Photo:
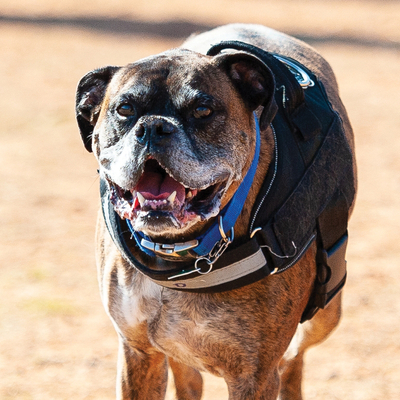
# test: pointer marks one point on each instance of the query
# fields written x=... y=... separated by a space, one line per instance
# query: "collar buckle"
x=176 y=250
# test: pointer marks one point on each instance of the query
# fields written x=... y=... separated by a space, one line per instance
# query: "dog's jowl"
x=227 y=178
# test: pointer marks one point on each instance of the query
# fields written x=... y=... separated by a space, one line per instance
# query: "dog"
x=177 y=136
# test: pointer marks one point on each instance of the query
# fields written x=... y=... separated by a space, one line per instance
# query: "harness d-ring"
x=197 y=269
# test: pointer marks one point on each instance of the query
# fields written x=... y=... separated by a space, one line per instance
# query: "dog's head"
x=174 y=134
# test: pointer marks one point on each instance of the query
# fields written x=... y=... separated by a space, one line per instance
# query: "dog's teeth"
x=172 y=197
x=189 y=194
x=141 y=199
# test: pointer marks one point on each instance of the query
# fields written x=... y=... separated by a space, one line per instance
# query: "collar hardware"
x=220 y=246
x=196 y=269
x=215 y=253
x=171 y=250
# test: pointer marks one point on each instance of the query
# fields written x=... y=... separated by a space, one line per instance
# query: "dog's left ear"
x=89 y=97
x=254 y=81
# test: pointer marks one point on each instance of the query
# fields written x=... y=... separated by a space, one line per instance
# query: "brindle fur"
x=250 y=336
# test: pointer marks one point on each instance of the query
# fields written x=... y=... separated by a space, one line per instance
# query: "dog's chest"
x=186 y=327
x=133 y=301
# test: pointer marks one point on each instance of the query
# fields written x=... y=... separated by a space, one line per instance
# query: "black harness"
x=305 y=197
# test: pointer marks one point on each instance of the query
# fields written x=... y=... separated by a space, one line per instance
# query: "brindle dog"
x=190 y=116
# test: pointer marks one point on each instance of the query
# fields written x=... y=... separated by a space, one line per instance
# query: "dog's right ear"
x=254 y=81
x=89 y=97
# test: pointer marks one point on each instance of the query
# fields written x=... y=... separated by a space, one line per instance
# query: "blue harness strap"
x=138 y=236
x=231 y=212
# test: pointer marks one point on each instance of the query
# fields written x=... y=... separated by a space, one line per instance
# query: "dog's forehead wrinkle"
x=188 y=95
x=140 y=91
x=170 y=77
x=136 y=89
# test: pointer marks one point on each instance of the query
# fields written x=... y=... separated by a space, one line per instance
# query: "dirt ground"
x=55 y=339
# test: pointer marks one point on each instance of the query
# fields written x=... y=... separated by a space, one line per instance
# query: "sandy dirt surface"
x=55 y=339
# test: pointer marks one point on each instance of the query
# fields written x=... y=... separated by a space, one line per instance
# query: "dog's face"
x=174 y=134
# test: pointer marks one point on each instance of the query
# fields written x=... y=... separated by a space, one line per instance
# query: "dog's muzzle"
x=159 y=195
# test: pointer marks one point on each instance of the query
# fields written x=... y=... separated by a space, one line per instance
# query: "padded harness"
x=305 y=198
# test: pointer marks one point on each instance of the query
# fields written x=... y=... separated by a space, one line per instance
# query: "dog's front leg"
x=141 y=375
x=307 y=334
x=188 y=381
x=262 y=386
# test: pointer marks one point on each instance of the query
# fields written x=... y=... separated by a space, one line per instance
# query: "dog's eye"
x=202 y=112
x=126 y=110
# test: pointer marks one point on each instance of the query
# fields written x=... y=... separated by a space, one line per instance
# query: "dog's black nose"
x=153 y=127
x=140 y=131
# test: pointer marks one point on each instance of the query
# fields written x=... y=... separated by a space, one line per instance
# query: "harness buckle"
x=331 y=274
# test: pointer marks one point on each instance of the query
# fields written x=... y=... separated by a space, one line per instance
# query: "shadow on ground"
x=175 y=29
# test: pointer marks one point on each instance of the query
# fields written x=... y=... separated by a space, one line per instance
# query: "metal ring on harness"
x=302 y=77
x=197 y=269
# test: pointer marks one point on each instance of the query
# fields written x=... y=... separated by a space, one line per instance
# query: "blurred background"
x=55 y=339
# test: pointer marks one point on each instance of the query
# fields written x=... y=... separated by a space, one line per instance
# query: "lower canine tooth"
x=189 y=194
x=172 y=197
x=141 y=199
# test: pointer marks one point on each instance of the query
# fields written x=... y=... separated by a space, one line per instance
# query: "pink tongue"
x=153 y=187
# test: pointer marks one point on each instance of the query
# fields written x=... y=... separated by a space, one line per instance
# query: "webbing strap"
x=332 y=240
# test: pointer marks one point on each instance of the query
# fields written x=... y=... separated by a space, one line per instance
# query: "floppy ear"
x=89 y=96
x=254 y=81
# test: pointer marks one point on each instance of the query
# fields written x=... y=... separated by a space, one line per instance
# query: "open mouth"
x=159 y=199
